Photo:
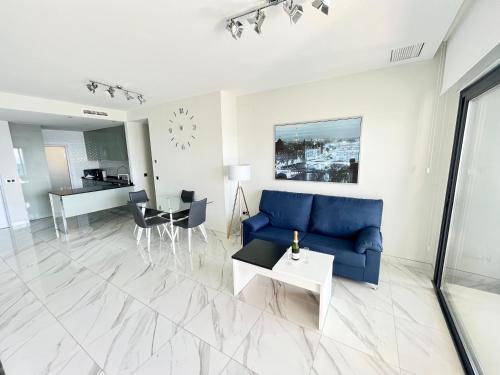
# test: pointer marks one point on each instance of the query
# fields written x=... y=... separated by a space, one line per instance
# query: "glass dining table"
x=175 y=209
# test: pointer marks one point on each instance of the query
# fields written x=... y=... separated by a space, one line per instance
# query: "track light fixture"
x=294 y=11
x=112 y=89
x=257 y=21
x=235 y=28
x=323 y=5
x=92 y=86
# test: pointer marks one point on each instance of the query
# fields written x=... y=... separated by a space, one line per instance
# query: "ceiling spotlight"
x=92 y=86
x=128 y=96
x=141 y=99
x=235 y=28
x=323 y=5
x=294 y=11
x=258 y=20
x=111 y=91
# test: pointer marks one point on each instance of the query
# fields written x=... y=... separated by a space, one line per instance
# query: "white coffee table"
x=314 y=274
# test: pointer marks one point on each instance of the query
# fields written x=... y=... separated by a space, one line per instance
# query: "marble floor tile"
x=183 y=300
x=418 y=305
x=276 y=346
x=29 y=265
x=224 y=323
x=93 y=302
x=286 y=301
x=101 y=309
x=20 y=320
x=369 y=331
x=362 y=294
x=127 y=346
x=46 y=353
x=185 y=354
x=236 y=368
x=410 y=273
x=81 y=364
x=61 y=291
x=334 y=358
x=150 y=284
x=423 y=350
x=16 y=241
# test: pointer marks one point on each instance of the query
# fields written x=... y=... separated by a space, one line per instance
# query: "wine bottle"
x=295 y=246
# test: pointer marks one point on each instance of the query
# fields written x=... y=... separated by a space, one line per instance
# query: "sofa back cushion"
x=344 y=217
x=287 y=210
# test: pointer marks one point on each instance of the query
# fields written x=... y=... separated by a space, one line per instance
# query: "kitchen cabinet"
x=106 y=144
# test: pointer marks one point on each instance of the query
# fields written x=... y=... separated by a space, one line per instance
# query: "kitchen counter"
x=67 y=203
x=88 y=189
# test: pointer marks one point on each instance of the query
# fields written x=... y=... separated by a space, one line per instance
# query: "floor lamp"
x=239 y=173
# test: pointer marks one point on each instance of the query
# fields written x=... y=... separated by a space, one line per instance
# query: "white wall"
x=34 y=104
x=199 y=167
x=139 y=156
x=13 y=191
x=475 y=35
x=75 y=151
x=397 y=105
x=229 y=147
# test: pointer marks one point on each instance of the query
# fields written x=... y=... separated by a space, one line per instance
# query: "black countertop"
x=89 y=189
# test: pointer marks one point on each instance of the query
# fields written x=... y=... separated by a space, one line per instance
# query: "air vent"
x=405 y=53
x=94 y=113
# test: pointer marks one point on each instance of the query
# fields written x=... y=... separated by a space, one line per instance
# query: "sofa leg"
x=373 y=286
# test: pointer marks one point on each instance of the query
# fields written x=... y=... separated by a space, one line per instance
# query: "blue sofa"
x=348 y=228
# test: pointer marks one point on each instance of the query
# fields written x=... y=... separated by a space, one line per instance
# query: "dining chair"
x=146 y=223
x=142 y=197
x=187 y=196
x=196 y=218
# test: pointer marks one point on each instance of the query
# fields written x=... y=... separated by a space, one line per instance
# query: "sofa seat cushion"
x=287 y=210
x=276 y=235
x=344 y=217
x=343 y=250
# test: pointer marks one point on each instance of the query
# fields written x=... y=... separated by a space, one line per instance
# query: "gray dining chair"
x=196 y=218
x=142 y=197
x=146 y=223
x=187 y=196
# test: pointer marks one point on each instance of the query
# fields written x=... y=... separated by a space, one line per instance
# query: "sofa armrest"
x=256 y=222
x=368 y=238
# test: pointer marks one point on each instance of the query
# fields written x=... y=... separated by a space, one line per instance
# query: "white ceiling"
x=57 y=122
x=174 y=49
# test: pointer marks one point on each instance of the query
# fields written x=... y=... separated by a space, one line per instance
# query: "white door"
x=4 y=222
x=58 y=167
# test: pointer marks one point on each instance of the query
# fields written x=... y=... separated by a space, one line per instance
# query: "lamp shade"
x=239 y=172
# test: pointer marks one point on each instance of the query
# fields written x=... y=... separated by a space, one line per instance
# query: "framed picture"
x=324 y=151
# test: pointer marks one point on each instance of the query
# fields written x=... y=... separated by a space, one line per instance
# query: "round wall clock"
x=182 y=129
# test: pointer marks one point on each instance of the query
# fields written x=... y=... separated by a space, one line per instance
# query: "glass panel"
x=471 y=275
x=32 y=168
x=58 y=167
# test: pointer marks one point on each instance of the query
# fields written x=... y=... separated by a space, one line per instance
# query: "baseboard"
x=20 y=224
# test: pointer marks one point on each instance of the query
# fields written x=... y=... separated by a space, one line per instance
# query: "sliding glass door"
x=468 y=265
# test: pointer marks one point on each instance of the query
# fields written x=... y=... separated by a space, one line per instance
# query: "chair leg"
x=204 y=232
x=189 y=240
x=135 y=229
x=148 y=234
x=139 y=234
x=159 y=232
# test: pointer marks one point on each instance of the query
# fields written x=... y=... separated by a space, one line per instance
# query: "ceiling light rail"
x=92 y=86
x=294 y=12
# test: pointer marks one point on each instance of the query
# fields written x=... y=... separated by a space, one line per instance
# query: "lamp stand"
x=237 y=197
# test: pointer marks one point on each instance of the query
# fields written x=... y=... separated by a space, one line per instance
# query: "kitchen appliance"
x=93 y=174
